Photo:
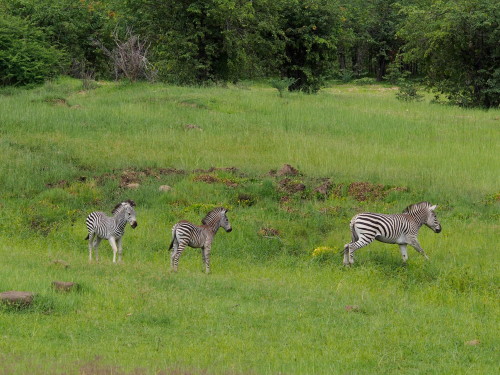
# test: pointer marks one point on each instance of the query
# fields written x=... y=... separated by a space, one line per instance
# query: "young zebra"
x=401 y=229
x=185 y=234
x=101 y=226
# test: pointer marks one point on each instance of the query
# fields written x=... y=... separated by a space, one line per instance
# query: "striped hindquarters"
x=188 y=233
x=100 y=224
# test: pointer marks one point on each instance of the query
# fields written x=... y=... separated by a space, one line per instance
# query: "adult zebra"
x=101 y=226
x=401 y=229
x=185 y=234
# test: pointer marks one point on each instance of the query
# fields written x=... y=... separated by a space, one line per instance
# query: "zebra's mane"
x=413 y=207
x=211 y=214
x=121 y=204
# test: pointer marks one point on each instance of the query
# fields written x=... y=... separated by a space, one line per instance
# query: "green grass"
x=268 y=307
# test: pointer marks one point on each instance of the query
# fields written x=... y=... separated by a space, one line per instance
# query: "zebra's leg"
x=175 y=246
x=346 y=255
x=205 y=253
x=404 y=253
x=112 y=242
x=120 y=249
x=414 y=242
x=97 y=241
x=176 y=255
x=354 y=238
x=91 y=241
x=353 y=246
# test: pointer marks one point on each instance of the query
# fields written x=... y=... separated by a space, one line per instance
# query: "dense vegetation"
x=278 y=299
x=452 y=45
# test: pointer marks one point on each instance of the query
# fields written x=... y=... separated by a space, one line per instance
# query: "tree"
x=26 y=57
x=311 y=30
x=70 y=26
x=457 y=46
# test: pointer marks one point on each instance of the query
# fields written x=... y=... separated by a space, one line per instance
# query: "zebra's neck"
x=213 y=225
x=420 y=217
x=119 y=218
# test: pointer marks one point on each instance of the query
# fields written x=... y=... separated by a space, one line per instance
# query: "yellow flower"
x=322 y=250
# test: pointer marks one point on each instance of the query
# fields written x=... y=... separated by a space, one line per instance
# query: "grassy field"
x=270 y=306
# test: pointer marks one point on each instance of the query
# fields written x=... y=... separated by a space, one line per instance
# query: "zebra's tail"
x=173 y=237
x=86 y=238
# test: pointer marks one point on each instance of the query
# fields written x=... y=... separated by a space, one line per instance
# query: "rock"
x=63 y=286
x=473 y=342
x=61 y=262
x=352 y=308
x=18 y=299
x=133 y=185
x=192 y=126
x=165 y=188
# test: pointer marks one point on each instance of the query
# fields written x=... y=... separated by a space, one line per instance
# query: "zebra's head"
x=218 y=218
x=127 y=209
x=432 y=221
x=425 y=213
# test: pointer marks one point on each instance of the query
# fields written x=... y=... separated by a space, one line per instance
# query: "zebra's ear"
x=432 y=208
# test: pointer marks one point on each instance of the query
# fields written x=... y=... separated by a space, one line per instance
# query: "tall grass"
x=269 y=306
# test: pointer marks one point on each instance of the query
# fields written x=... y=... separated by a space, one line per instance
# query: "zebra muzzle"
x=134 y=224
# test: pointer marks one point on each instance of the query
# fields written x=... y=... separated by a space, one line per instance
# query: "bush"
x=25 y=55
x=282 y=84
x=71 y=26
x=408 y=92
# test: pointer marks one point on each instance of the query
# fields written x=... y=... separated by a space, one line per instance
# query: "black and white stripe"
x=185 y=234
x=401 y=229
x=101 y=226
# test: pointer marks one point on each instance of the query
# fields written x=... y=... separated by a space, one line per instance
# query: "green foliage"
x=368 y=42
x=456 y=43
x=408 y=92
x=311 y=30
x=26 y=57
x=196 y=42
x=282 y=84
x=70 y=26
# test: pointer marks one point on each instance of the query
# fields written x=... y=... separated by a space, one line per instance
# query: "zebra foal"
x=101 y=226
x=401 y=229
x=185 y=234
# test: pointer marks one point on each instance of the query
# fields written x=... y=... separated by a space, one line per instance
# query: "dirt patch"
x=192 y=127
x=207 y=178
x=268 y=232
x=290 y=186
x=217 y=169
x=57 y=101
x=61 y=263
x=324 y=188
x=17 y=299
x=58 y=184
x=211 y=179
x=286 y=170
x=64 y=286
x=136 y=176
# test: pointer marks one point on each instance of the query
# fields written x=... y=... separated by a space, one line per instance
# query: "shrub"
x=25 y=55
x=282 y=84
x=408 y=92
